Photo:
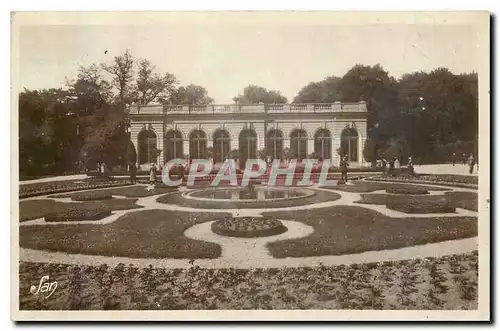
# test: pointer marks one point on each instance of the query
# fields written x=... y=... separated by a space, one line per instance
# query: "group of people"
x=393 y=166
x=132 y=170
x=471 y=161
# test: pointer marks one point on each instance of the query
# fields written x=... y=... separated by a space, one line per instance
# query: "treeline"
x=428 y=115
x=69 y=128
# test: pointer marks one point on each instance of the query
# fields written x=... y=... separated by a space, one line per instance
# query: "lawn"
x=348 y=229
x=319 y=196
x=33 y=209
x=146 y=234
x=448 y=282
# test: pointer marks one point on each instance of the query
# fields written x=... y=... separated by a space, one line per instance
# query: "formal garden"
x=371 y=243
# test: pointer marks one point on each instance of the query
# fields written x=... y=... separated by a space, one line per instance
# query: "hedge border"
x=429 y=182
x=65 y=190
x=420 y=209
x=95 y=216
x=92 y=197
x=406 y=191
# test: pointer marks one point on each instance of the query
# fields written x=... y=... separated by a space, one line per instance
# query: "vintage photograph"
x=240 y=163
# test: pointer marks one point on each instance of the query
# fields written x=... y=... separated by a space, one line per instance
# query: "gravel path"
x=445 y=169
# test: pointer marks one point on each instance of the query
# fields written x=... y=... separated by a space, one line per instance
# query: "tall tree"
x=46 y=132
x=254 y=94
x=437 y=109
x=325 y=91
x=90 y=89
x=122 y=71
x=373 y=85
x=191 y=95
x=151 y=86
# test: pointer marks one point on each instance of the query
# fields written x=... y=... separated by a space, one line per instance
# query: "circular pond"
x=257 y=193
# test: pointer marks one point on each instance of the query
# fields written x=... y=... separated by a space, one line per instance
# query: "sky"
x=224 y=58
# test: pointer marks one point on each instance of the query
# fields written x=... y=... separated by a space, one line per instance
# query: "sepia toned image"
x=250 y=166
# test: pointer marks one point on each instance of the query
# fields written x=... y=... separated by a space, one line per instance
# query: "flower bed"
x=448 y=282
x=420 y=207
x=129 y=191
x=365 y=186
x=77 y=214
x=92 y=195
x=407 y=190
x=31 y=190
x=459 y=179
x=248 y=227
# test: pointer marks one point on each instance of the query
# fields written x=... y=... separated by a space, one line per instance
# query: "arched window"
x=298 y=144
x=274 y=144
x=147 y=146
x=349 y=143
x=221 y=145
x=173 y=145
x=248 y=146
x=323 y=144
x=197 y=145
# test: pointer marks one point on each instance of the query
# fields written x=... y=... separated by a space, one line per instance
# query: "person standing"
x=343 y=169
x=391 y=167
x=133 y=172
x=397 y=164
x=152 y=174
x=397 y=167
x=472 y=163
x=411 y=170
x=453 y=159
x=182 y=169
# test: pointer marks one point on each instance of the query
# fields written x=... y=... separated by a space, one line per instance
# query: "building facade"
x=164 y=132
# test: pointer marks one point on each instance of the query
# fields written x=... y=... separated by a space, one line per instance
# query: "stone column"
x=185 y=145
x=310 y=146
x=160 y=138
x=361 y=143
x=335 y=147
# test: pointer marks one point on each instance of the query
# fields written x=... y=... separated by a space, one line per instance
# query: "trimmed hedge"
x=76 y=214
x=447 y=180
x=32 y=190
x=406 y=190
x=91 y=196
x=420 y=207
